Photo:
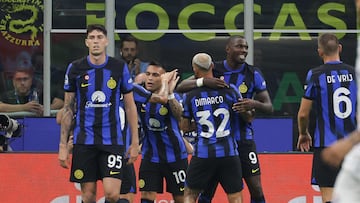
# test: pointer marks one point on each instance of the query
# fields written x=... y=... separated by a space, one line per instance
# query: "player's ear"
x=86 y=43
x=340 y=48
x=320 y=52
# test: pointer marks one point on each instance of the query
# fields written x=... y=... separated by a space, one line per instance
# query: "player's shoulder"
x=80 y=61
x=115 y=61
x=252 y=68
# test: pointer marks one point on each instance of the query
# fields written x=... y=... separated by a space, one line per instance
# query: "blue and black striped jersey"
x=98 y=90
x=249 y=81
x=162 y=142
x=332 y=87
x=140 y=95
x=212 y=112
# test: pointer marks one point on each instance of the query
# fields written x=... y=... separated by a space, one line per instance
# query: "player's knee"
x=112 y=197
x=204 y=199
x=148 y=195
x=235 y=197
x=88 y=197
x=178 y=198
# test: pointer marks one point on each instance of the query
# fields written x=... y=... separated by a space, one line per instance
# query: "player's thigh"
x=249 y=158
x=128 y=184
x=111 y=161
x=84 y=167
x=323 y=174
x=229 y=174
x=200 y=173
x=175 y=175
x=150 y=177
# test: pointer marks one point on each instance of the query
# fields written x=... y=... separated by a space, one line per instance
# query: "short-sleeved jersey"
x=162 y=142
x=332 y=87
x=249 y=81
x=98 y=90
x=214 y=118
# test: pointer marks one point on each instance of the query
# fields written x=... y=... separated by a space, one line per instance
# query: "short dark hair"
x=28 y=71
x=156 y=63
x=128 y=38
x=329 y=43
x=234 y=37
x=98 y=27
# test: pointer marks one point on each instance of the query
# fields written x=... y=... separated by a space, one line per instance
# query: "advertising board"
x=37 y=177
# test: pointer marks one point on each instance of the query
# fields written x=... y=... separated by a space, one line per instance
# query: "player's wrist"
x=199 y=82
x=171 y=96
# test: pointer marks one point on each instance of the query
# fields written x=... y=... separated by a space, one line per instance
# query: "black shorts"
x=249 y=158
x=205 y=171
x=94 y=162
x=323 y=174
x=151 y=176
x=128 y=184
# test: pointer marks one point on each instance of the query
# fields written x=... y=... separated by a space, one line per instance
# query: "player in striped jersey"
x=95 y=83
x=141 y=95
x=163 y=149
x=215 y=150
x=252 y=86
x=346 y=188
x=331 y=89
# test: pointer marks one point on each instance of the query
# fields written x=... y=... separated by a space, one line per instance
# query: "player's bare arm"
x=304 y=140
x=131 y=116
x=191 y=83
x=174 y=104
x=66 y=115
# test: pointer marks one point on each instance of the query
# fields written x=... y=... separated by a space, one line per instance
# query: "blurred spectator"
x=24 y=97
x=57 y=79
x=129 y=52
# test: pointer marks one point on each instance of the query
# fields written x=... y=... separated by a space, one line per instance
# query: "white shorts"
x=347 y=185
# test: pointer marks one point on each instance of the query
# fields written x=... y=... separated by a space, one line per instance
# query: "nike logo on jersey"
x=182 y=189
x=255 y=170
x=114 y=172
x=85 y=84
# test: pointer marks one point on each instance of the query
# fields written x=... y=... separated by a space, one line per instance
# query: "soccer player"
x=141 y=95
x=347 y=181
x=163 y=149
x=331 y=89
x=215 y=150
x=252 y=86
x=95 y=83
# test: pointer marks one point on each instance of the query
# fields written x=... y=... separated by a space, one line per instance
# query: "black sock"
x=123 y=201
x=204 y=199
x=260 y=200
x=146 y=201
